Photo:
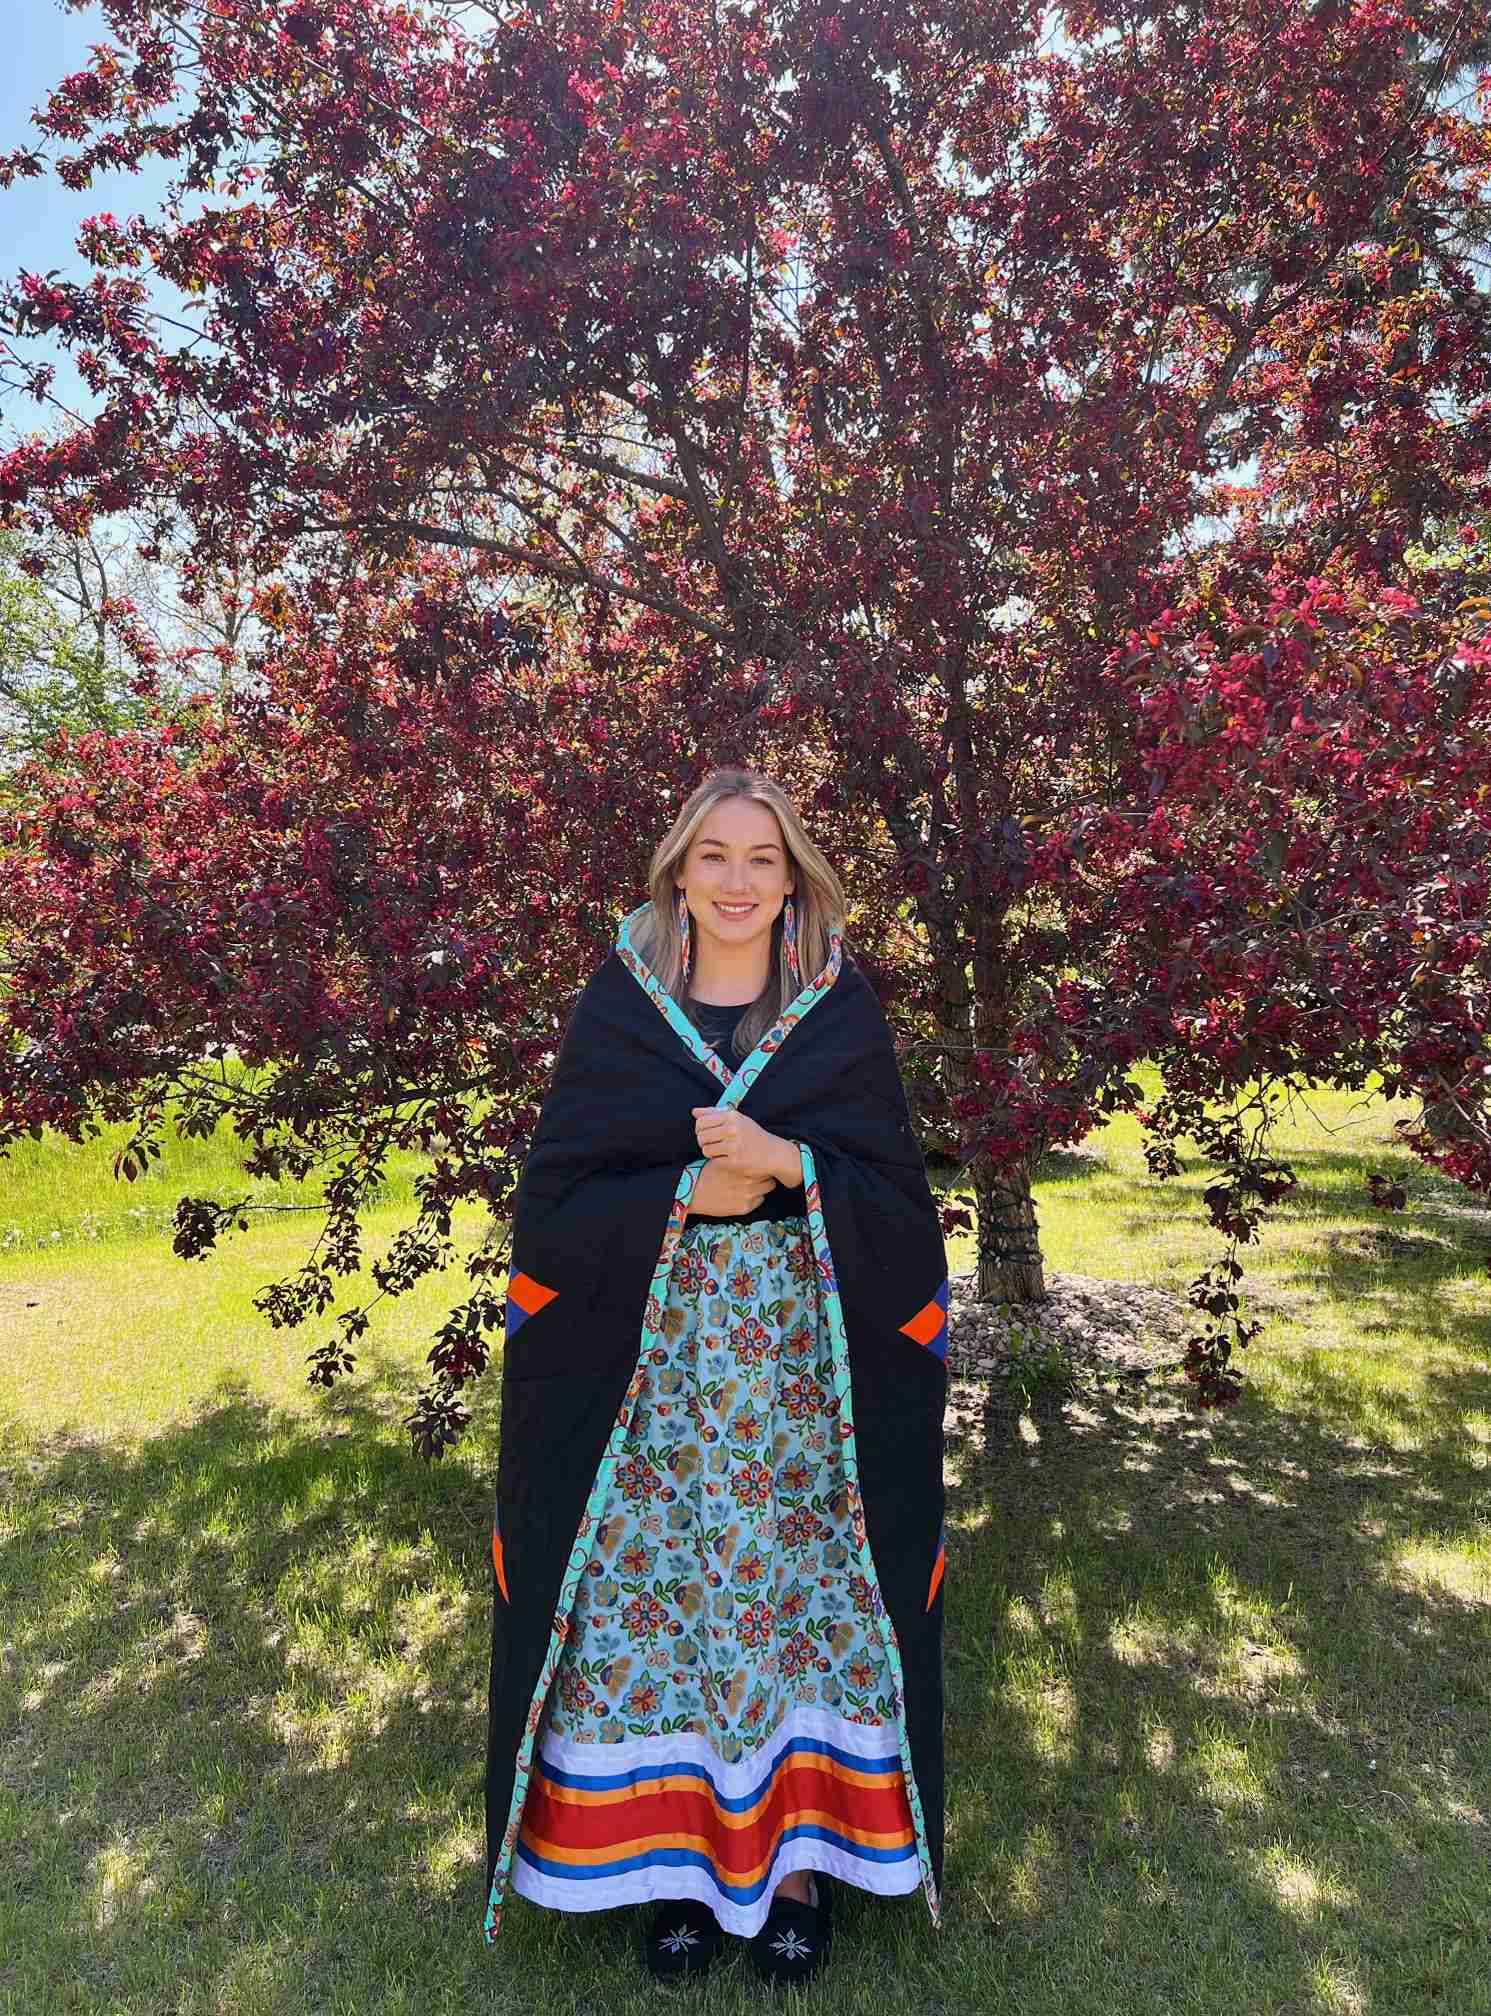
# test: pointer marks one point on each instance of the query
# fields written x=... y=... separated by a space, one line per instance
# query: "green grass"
x=1219 y=1690
x=55 y=1193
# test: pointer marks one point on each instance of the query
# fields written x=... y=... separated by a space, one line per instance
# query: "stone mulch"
x=1091 y=1342
x=1098 y=1329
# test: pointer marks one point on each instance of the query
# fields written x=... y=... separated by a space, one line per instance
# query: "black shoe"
x=793 y=1943
x=682 y=1937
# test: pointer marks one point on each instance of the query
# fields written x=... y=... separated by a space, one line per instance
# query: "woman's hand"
x=732 y=1138
x=722 y=1192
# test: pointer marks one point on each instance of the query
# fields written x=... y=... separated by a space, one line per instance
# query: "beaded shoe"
x=682 y=1937
x=793 y=1943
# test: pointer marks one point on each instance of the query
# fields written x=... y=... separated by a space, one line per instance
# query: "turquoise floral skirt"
x=722 y=1710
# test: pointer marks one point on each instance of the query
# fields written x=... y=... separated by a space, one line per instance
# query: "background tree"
x=198 y=619
x=844 y=389
x=53 y=672
x=84 y=618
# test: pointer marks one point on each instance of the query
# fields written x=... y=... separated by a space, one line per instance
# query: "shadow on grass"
x=243 y=1770
x=1206 y=1723
x=253 y=1652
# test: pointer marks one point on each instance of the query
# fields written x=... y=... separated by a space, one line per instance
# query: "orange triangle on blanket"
x=530 y=1295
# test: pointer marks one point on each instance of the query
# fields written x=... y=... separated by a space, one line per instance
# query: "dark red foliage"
x=868 y=394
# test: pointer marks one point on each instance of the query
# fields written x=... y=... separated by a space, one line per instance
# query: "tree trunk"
x=1010 y=1268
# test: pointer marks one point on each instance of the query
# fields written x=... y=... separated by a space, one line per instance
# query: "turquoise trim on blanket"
x=600 y=1492
x=736 y=1084
x=828 y=1286
x=751 y=1067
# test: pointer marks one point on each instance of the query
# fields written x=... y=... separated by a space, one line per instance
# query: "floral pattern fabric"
x=720 y=1591
x=723 y=1709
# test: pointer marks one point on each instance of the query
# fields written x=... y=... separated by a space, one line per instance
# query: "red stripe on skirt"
x=564 y=1818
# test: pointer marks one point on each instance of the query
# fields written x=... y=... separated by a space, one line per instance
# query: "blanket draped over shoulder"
x=599 y=1208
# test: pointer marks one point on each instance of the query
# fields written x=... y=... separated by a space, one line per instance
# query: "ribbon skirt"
x=722 y=1712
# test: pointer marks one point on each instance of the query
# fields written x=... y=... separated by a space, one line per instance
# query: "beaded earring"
x=789 y=942
x=684 y=933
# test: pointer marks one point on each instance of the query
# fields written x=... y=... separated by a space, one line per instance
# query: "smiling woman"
x=716 y=1669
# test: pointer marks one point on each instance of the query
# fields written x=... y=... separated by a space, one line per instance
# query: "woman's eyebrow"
x=760 y=846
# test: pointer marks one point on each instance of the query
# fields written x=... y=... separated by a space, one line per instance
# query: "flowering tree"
x=1317 y=850
x=850 y=390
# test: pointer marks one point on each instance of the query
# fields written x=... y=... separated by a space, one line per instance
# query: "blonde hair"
x=817 y=895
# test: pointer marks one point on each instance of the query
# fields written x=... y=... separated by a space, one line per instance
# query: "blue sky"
x=39 y=220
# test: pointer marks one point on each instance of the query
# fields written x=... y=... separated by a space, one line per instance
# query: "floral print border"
x=829 y=1289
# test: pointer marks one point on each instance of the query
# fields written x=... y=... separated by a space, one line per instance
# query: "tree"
x=50 y=679
x=189 y=622
x=348 y=882
x=849 y=384
x=1317 y=845
x=83 y=618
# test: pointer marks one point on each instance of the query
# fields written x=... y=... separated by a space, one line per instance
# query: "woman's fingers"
x=727 y=1132
x=738 y=1143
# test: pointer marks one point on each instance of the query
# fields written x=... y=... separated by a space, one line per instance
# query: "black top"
x=716 y=1024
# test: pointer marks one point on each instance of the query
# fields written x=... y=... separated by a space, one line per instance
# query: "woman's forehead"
x=740 y=823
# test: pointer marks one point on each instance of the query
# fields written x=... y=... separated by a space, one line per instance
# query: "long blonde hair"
x=817 y=895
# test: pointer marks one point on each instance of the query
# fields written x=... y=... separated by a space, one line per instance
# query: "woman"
x=717 y=1551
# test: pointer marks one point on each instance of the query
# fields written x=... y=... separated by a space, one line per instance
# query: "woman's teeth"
x=735 y=909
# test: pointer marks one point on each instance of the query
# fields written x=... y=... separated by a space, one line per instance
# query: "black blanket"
x=599 y=1206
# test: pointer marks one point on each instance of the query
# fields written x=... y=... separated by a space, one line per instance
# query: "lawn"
x=1219 y=1690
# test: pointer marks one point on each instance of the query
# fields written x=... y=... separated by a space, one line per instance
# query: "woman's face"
x=736 y=874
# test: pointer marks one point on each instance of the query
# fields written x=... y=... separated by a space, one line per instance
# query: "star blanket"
x=600 y=1206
